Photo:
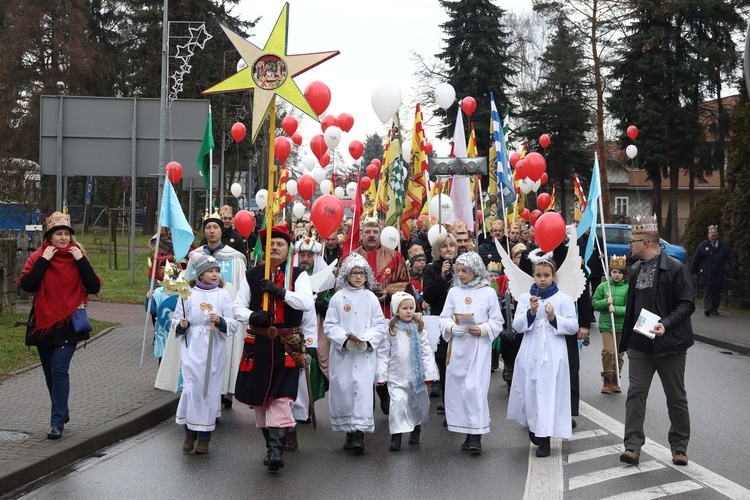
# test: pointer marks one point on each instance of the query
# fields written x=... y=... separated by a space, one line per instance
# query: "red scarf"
x=60 y=293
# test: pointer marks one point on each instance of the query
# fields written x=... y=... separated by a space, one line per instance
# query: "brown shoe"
x=679 y=458
x=291 y=441
x=607 y=385
x=202 y=447
x=630 y=457
x=187 y=445
x=616 y=388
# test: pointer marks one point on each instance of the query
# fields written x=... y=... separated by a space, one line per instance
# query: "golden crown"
x=415 y=251
x=58 y=219
x=645 y=224
x=494 y=267
x=618 y=262
x=214 y=216
x=459 y=227
x=714 y=228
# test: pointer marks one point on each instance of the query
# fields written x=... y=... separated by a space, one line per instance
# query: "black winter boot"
x=276 y=440
x=414 y=436
x=358 y=442
x=268 y=445
x=385 y=398
x=348 y=440
x=395 y=442
x=544 y=448
x=466 y=443
x=475 y=446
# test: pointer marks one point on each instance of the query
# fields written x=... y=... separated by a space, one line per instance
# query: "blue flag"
x=588 y=219
x=171 y=216
x=504 y=175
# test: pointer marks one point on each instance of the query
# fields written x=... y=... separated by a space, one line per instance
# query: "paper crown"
x=58 y=220
x=226 y=210
x=713 y=228
x=645 y=224
x=214 y=217
x=618 y=262
x=416 y=252
x=307 y=244
x=495 y=267
x=370 y=221
x=459 y=227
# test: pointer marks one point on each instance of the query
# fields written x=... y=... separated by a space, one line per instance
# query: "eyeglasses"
x=636 y=241
x=358 y=273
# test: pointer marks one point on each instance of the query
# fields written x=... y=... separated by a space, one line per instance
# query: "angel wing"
x=319 y=280
x=570 y=277
x=518 y=281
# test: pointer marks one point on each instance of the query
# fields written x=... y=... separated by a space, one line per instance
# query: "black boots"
x=414 y=436
x=533 y=438
x=472 y=444
x=385 y=398
x=292 y=444
x=348 y=440
x=268 y=445
x=358 y=442
x=544 y=448
x=395 y=442
x=276 y=441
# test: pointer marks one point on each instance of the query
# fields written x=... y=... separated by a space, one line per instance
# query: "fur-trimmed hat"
x=58 y=220
x=202 y=263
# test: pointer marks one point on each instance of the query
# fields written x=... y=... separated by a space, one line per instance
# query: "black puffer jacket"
x=675 y=303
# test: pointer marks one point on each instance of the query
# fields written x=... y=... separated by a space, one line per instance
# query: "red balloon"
x=328 y=121
x=543 y=201
x=632 y=132
x=319 y=96
x=376 y=162
x=289 y=197
x=372 y=170
x=297 y=138
x=238 y=132
x=318 y=145
x=356 y=148
x=544 y=178
x=534 y=216
x=244 y=222
x=514 y=159
x=480 y=215
x=428 y=148
x=469 y=105
x=346 y=121
x=174 y=172
x=307 y=203
x=325 y=160
x=306 y=186
x=326 y=214
x=544 y=141
x=534 y=165
x=281 y=148
x=365 y=183
x=549 y=231
x=525 y=214
x=521 y=169
x=289 y=124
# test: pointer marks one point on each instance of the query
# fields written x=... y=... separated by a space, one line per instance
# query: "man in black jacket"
x=709 y=264
x=662 y=285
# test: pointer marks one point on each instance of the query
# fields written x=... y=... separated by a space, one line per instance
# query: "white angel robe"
x=301 y=405
x=468 y=367
x=352 y=373
x=396 y=367
x=193 y=409
x=540 y=392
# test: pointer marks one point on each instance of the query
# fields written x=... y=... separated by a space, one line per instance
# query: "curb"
x=745 y=351
x=69 y=450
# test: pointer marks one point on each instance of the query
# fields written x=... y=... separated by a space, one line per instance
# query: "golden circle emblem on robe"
x=388 y=271
x=347 y=308
x=467 y=300
x=309 y=341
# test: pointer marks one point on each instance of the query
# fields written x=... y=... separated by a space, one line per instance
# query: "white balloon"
x=291 y=187
x=536 y=186
x=631 y=151
x=386 y=99
x=332 y=137
x=441 y=207
x=236 y=190
x=298 y=209
x=434 y=231
x=309 y=161
x=261 y=198
x=339 y=192
x=526 y=185
x=445 y=95
x=389 y=237
x=318 y=174
x=351 y=190
x=325 y=186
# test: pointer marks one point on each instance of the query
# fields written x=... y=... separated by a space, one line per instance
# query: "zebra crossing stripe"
x=600 y=476
x=594 y=453
x=661 y=491
x=588 y=434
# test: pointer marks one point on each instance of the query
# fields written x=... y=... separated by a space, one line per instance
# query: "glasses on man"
x=358 y=273
x=637 y=241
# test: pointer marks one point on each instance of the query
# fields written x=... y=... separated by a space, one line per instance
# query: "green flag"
x=257 y=255
x=204 y=157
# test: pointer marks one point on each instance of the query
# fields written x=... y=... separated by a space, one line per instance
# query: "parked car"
x=618 y=242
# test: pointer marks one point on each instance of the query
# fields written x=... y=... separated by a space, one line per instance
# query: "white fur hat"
x=399 y=297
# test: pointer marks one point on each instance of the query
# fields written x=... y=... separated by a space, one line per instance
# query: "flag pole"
x=209 y=201
x=153 y=276
x=269 y=213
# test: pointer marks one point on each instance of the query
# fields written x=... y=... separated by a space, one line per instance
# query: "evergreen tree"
x=477 y=56
x=559 y=107
x=736 y=212
x=374 y=148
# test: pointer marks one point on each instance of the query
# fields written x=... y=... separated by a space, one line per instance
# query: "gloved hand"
x=260 y=318
x=321 y=307
x=458 y=331
x=269 y=286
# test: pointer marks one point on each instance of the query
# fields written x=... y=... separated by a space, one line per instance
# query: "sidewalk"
x=113 y=398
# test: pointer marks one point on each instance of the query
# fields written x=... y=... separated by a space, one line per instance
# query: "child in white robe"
x=540 y=391
x=204 y=320
x=355 y=325
x=406 y=363
x=474 y=320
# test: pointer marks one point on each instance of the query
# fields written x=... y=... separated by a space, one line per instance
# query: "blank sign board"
x=97 y=135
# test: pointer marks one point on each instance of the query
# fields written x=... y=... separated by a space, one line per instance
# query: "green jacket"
x=619 y=300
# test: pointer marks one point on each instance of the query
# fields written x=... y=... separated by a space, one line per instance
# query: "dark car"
x=618 y=242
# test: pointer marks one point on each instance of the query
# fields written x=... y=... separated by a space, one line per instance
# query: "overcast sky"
x=375 y=39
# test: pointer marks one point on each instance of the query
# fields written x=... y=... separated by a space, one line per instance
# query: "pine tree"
x=478 y=59
x=560 y=109
x=374 y=148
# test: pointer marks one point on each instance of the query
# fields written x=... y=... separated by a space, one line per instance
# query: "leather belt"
x=273 y=332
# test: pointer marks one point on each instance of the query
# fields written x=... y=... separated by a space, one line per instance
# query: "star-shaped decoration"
x=184 y=52
x=270 y=71
x=199 y=36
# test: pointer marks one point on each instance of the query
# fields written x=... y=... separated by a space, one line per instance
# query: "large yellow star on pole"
x=270 y=71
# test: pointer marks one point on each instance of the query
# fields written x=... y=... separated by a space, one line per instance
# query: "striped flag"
x=552 y=199
x=279 y=198
x=417 y=183
x=504 y=175
x=579 y=199
x=393 y=192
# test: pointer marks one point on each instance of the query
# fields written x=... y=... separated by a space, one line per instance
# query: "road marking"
x=588 y=434
x=600 y=476
x=694 y=471
x=664 y=490
x=595 y=453
x=544 y=477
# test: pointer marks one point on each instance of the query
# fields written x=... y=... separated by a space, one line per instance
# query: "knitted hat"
x=214 y=217
x=416 y=252
x=58 y=220
x=396 y=300
x=280 y=231
x=202 y=263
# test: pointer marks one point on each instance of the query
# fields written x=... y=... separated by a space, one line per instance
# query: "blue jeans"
x=55 y=363
x=201 y=435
